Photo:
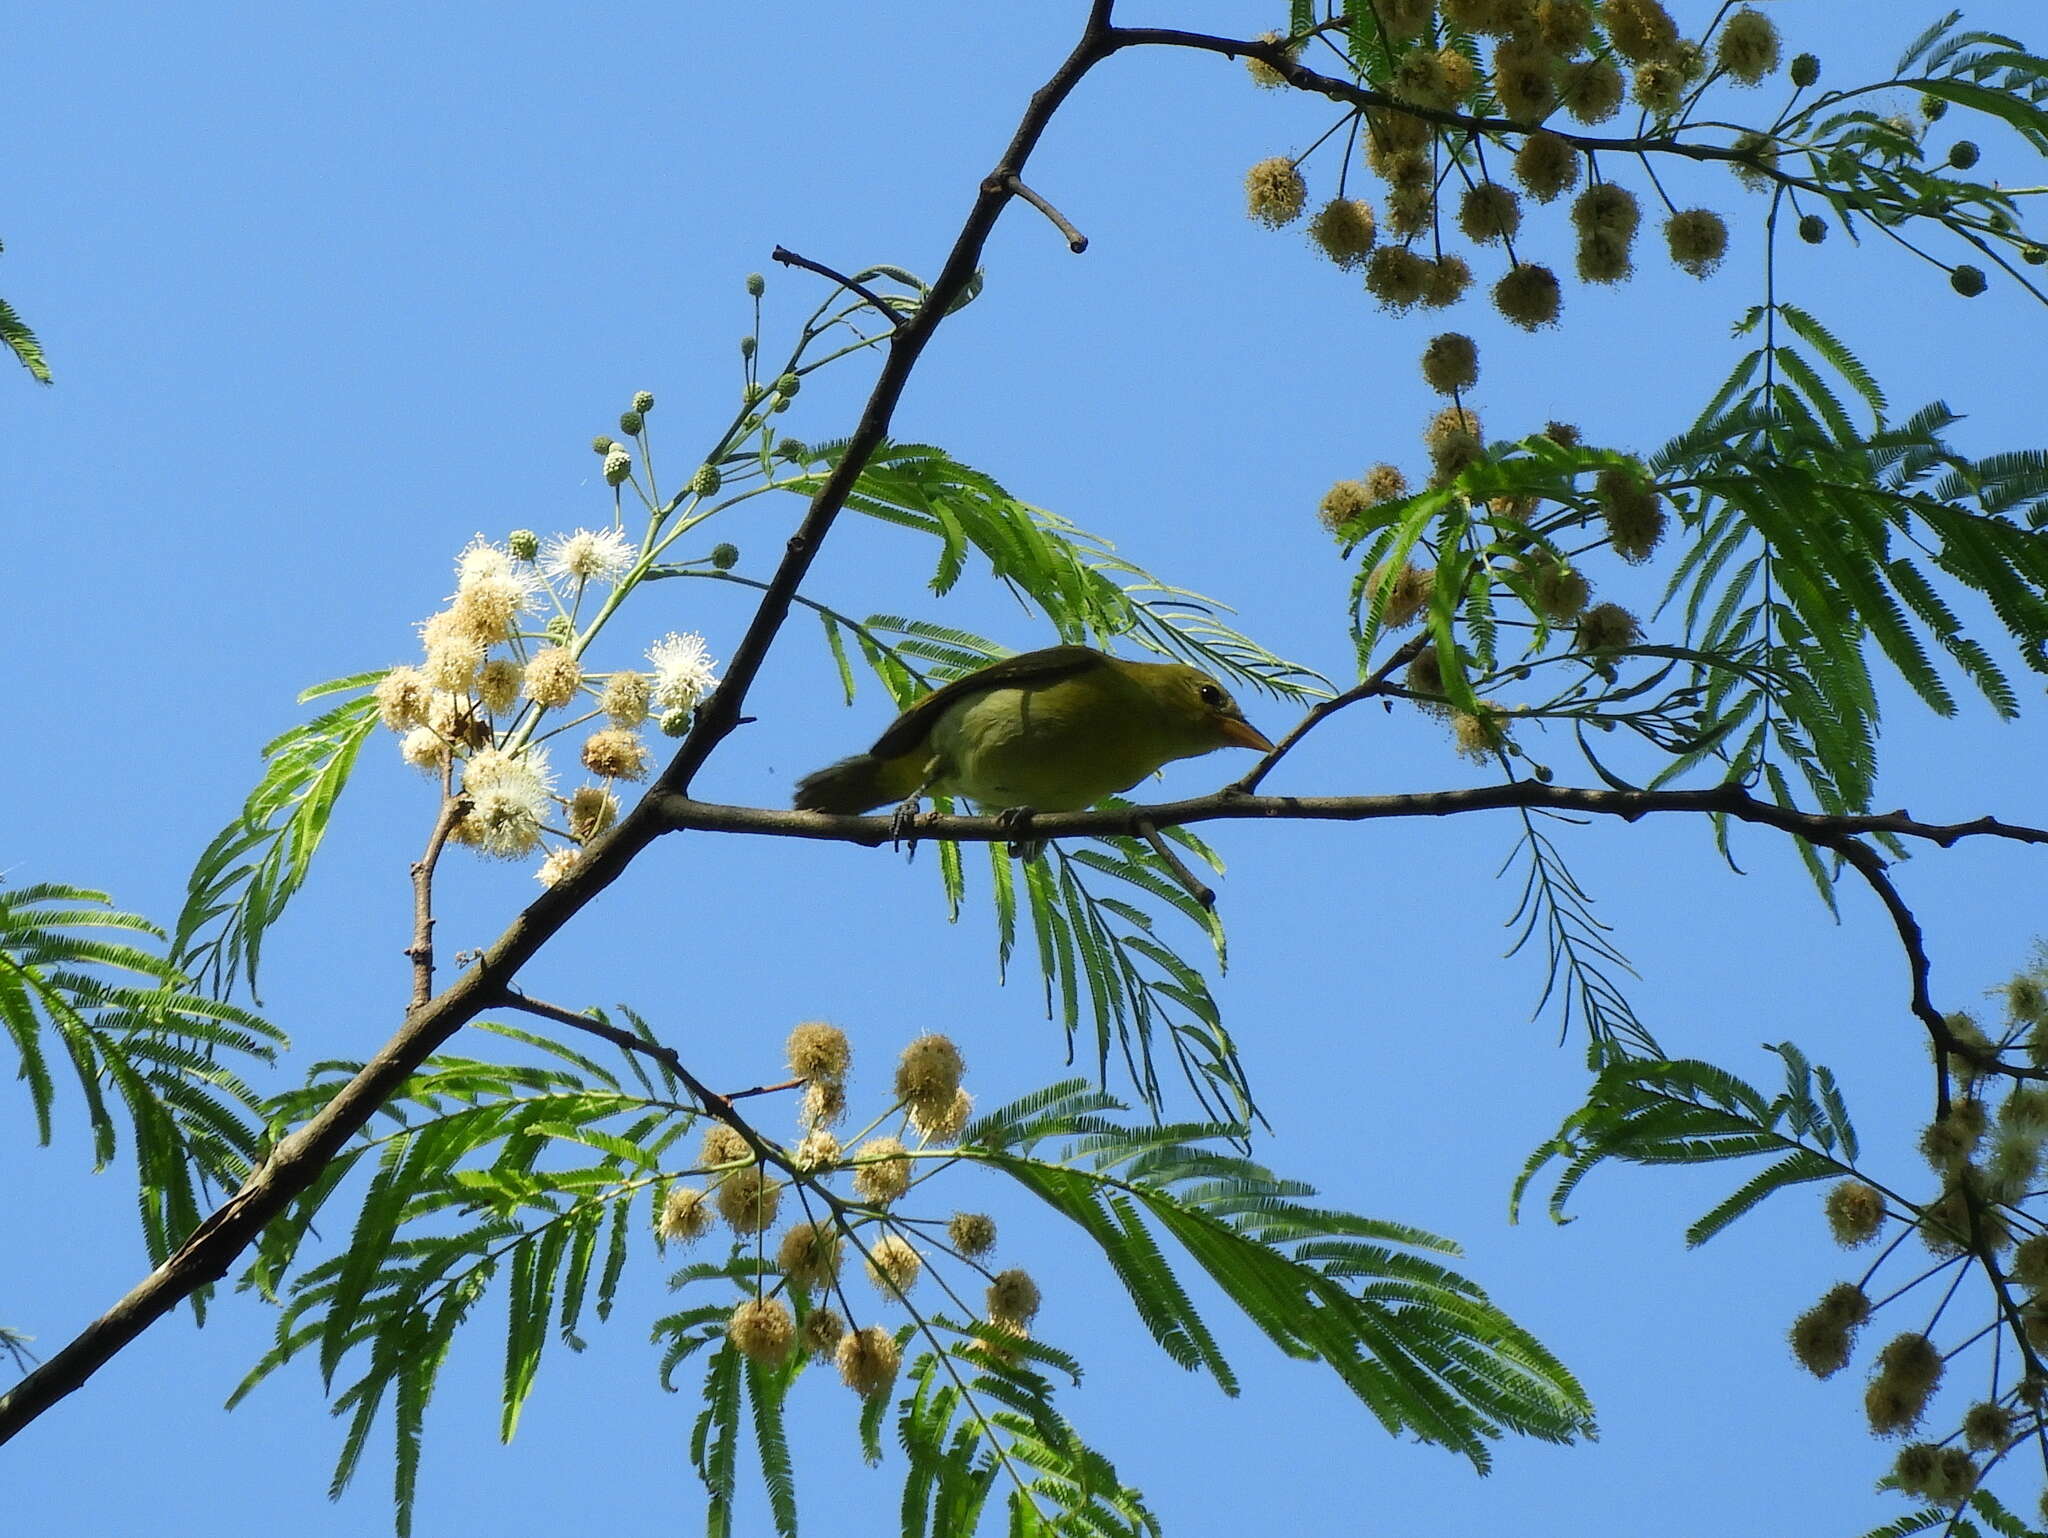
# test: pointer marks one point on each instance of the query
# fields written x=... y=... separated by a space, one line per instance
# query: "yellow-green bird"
x=1052 y=731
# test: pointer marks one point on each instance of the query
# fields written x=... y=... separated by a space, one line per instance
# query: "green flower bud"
x=630 y=423
x=1813 y=229
x=747 y=346
x=788 y=385
x=2034 y=256
x=560 y=631
x=756 y=284
x=706 y=481
x=781 y=404
x=523 y=543
x=792 y=449
x=754 y=393
x=618 y=464
x=1933 y=108
x=1962 y=154
x=724 y=557
x=1968 y=281
x=643 y=401
x=1805 y=69
x=674 y=722
x=602 y=445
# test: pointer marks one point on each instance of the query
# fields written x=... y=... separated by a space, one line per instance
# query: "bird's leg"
x=903 y=822
x=1014 y=820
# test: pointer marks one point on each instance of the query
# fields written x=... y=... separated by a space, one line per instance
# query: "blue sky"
x=327 y=290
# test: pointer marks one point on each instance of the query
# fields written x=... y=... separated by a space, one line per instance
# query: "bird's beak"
x=1240 y=733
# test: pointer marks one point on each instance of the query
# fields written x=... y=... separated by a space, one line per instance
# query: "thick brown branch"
x=1076 y=241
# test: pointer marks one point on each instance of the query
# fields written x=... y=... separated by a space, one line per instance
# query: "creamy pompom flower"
x=762 y=1330
x=557 y=865
x=588 y=555
x=943 y=1123
x=479 y=561
x=510 y=796
x=402 y=698
x=683 y=670
x=686 y=1214
x=893 y=1266
x=626 y=697
x=867 y=1360
x=881 y=1170
x=423 y=748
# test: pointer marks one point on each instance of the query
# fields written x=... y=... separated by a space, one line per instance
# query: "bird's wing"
x=1042 y=666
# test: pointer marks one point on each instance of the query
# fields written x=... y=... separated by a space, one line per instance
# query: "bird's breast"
x=1056 y=748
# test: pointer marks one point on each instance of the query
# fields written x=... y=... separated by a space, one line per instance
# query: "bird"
x=1053 y=730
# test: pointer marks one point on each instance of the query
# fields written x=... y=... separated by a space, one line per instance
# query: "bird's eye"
x=1211 y=695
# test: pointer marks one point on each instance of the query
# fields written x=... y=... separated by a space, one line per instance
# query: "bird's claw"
x=1014 y=820
x=903 y=827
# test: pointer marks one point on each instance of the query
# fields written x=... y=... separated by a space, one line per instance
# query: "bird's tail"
x=857 y=784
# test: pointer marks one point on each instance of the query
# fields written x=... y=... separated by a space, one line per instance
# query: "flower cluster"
x=798 y=1301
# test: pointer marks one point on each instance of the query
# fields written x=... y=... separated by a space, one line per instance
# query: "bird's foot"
x=1013 y=821
x=903 y=827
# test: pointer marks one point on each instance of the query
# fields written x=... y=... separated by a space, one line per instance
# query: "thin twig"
x=789 y=258
x=453 y=809
x=1373 y=684
x=1076 y=241
x=1196 y=888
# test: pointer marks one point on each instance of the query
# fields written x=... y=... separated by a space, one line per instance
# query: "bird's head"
x=1202 y=714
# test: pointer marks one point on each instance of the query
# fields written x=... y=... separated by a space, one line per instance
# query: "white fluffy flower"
x=600 y=555
x=479 y=561
x=510 y=796
x=683 y=671
x=557 y=865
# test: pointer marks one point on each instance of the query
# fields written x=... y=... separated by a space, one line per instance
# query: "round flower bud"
x=747 y=1199
x=971 y=1233
x=675 y=722
x=1449 y=277
x=1566 y=26
x=1855 y=1212
x=1524 y=79
x=753 y=394
x=724 y=556
x=881 y=1171
x=1608 y=627
x=723 y=1144
x=928 y=1073
x=823 y=1105
x=762 y=1331
x=794 y=450
x=867 y=1360
x=1633 y=510
x=1450 y=363
x=685 y=1215
x=643 y=401
x=1603 y=257
x=1989 y=1427
x=1408 y=594
x=1263 y=74
x=2030 y=1263
x=602 y=445
x=943 y=1123
x=756 y=284
x=706 y=481
x=524 y=544
x=1819 y=1344
x=1812 y=229
x=1698 y=239
x=1748 y=46
x=893 y=1266
x=809 y=1255
x=615 y=754
x=1592 y=90
x=819 y=1150
x=1274 y=192
x=1384 y=483
x=1805 y=69
x=402 y=698
x=1546 y=166
x=822 y=1332
x=1397 y=277
x=553 y=677
x=786 y=385
x=1013 y=1299
x=618 y=464
x=1341 y=504
x=592 y=809
x=1967 y=280
x=1528 y=296
x=1963 y=154
x=1639 y=29
x=819 y=1052
x=1344 y=230
x=631 y=423
x=748 y=347
x=1489 y=213
x=560 y=630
